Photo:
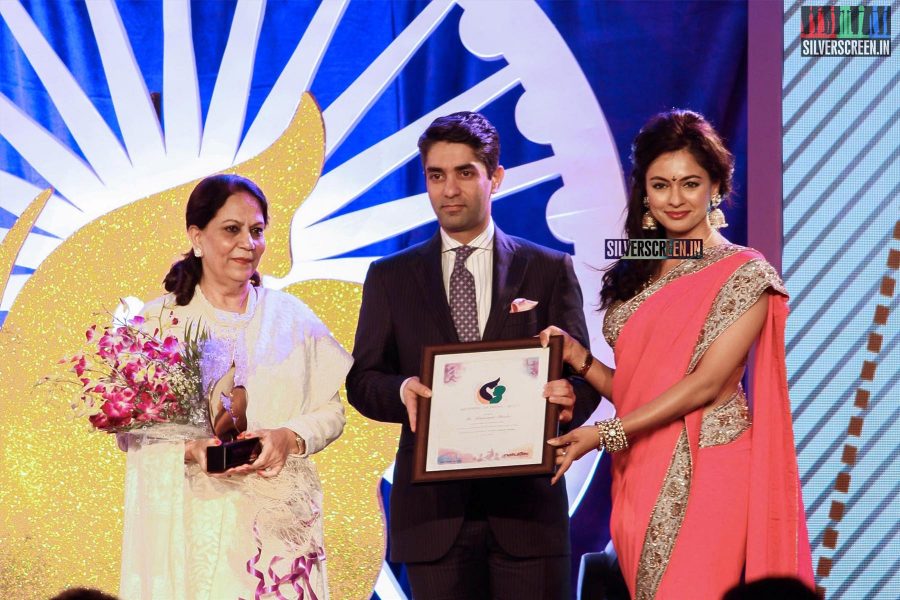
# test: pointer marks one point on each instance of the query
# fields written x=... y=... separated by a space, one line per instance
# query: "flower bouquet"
x=130 y=379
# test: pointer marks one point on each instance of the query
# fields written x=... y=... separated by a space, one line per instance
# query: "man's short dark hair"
x=469 y=128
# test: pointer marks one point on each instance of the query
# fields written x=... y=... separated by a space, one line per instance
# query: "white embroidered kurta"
x=188 y=535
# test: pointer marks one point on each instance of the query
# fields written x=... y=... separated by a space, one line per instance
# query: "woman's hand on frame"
x=574 y=354
x=572 y=446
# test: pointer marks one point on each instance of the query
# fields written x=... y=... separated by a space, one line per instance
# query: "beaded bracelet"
x=600 y=443
x=612 y=434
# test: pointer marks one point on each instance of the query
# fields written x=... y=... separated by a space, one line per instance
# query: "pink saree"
x=705 y=498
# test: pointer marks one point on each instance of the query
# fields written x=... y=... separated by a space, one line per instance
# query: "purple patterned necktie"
x=463 y=307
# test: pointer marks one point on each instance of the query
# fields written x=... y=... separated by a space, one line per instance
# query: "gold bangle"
x=600 y=443
x=613 y=434
x=586 y=366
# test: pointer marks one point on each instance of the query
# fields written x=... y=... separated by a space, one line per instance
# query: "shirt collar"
x=484 y=240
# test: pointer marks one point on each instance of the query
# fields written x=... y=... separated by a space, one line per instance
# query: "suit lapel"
x=430 y=276
x=509 y=272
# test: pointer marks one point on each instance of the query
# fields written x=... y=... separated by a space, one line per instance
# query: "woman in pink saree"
x=703 y=493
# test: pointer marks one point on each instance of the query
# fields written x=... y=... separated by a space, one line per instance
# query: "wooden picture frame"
x=496 y=428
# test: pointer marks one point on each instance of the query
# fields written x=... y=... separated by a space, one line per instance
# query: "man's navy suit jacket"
x=404 y=308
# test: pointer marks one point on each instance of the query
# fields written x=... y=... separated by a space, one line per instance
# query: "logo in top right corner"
x=845 y=30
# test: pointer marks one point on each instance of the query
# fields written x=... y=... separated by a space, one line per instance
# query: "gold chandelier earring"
x=648 y=223
x=716 y=216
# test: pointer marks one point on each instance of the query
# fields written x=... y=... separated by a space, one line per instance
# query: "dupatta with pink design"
x=659 y=336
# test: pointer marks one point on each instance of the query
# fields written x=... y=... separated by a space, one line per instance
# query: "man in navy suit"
x=492 y=538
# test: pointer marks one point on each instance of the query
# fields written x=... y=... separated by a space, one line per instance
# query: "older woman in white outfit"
x=255 y=529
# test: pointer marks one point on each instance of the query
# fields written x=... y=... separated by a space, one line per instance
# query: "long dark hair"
x=205 y=201
x=669 y=131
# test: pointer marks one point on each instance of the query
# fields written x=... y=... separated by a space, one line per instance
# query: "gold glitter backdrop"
x=60 y=482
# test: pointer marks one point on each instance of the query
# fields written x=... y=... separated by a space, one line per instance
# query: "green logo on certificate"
x=491 y=392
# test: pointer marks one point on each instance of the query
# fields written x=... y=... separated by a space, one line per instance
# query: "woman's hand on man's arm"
x=576 y=356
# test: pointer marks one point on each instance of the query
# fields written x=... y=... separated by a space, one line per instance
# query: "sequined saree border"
x=742 y=289
x=726 y=422
x=665 y=521
x=618 y=314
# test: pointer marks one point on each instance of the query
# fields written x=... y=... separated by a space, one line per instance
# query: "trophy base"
x=231 y=454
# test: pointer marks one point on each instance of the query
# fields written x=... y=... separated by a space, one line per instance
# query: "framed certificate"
x=487 y=415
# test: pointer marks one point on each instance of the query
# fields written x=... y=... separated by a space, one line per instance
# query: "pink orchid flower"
x=170 y=344
x=100 y=421
x=117 y=409
x=150 y=411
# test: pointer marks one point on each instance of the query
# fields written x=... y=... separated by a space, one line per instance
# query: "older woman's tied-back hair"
x=469 y=128
x=205 y=201
x=666 y=132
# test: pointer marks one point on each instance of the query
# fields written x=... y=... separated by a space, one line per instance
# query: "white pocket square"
x=521 y=305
